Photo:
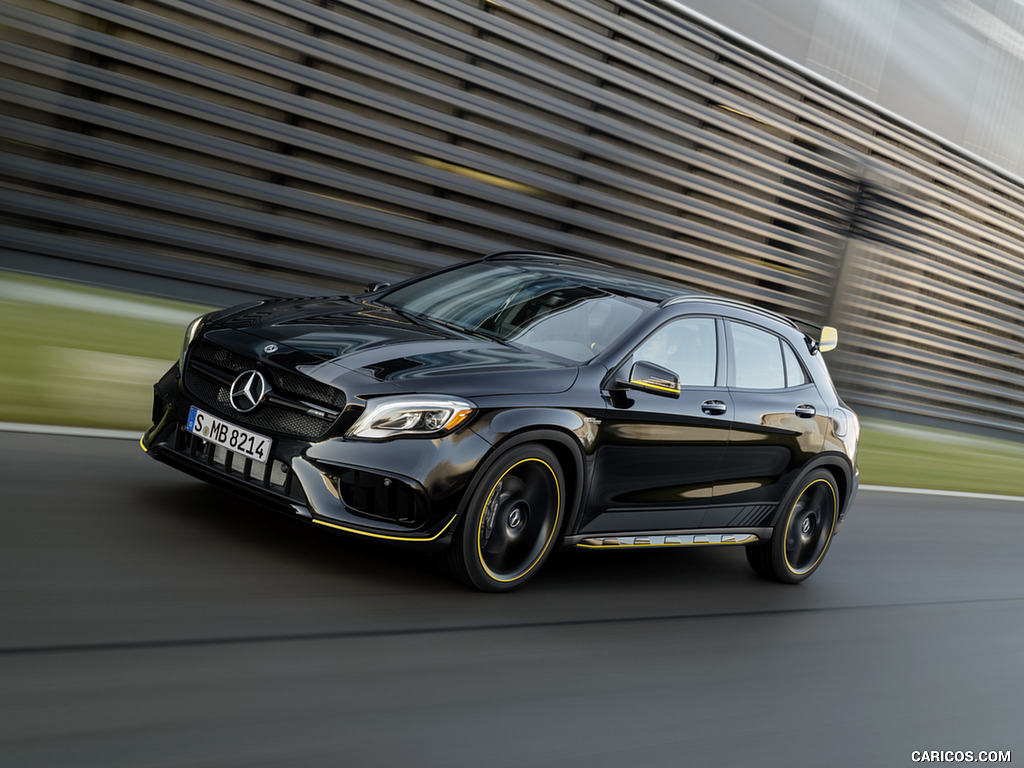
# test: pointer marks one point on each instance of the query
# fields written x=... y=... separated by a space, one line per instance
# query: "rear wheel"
x=511 y=521
x=803 y=534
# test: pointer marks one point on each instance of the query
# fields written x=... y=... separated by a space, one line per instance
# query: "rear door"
x=778 y=425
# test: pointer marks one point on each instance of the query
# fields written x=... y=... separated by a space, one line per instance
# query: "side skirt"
x=690 y=538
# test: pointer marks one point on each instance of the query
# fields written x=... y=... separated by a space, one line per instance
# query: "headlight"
x=190 y=333
x=414 y=415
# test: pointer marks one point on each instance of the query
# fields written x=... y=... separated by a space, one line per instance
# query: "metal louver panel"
x=308 y=147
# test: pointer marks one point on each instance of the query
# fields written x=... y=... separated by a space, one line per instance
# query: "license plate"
x=251 y=444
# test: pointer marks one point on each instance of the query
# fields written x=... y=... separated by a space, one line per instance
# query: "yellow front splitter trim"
x=388 y=537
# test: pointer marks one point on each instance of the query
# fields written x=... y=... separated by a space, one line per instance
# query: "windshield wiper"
x=470 y=331
x=428 y=320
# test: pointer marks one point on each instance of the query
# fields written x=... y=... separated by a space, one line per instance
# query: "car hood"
x=330 y=338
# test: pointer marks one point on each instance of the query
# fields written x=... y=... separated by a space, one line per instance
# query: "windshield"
x=529 y=307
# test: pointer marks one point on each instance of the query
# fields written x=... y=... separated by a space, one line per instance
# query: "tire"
x=759 y=556
x=802 y=534
x=511 y=520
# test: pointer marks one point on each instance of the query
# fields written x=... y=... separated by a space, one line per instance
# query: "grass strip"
x=92 y=361
x=90 y=364
x=939 y=459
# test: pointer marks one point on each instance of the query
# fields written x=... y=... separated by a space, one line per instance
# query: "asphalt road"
x=149 y=620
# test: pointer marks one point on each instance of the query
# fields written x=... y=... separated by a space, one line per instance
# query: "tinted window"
x=795 y=373
x=687 y=347
x=758 y=358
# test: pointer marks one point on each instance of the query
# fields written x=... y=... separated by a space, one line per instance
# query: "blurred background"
x=850 y=164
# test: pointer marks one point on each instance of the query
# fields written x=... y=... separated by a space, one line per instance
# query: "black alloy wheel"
x=511 y=520
x=803 y=534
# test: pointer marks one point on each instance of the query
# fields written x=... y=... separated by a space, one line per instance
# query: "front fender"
x=569 y=433
x=499 y=426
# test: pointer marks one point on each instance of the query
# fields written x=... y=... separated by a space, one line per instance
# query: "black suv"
x=500 y=408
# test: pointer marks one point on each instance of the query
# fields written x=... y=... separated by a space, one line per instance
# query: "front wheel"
x=511 y=520
x=803 y=534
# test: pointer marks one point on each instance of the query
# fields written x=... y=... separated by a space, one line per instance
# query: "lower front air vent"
x=379 y=497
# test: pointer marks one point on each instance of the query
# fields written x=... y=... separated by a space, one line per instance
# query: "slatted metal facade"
x=291 y=146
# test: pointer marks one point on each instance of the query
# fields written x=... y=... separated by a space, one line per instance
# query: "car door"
x=658 y=455
x=779 y=423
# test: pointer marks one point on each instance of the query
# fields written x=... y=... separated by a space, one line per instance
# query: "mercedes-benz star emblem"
x=270 y=349
x=248 y=390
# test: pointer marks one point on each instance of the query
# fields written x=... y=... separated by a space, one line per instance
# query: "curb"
x=48 y=429
x=929 y=492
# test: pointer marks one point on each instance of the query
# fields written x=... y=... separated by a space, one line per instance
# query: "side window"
x=795 y=373
x=759 y=363
x=688 y=347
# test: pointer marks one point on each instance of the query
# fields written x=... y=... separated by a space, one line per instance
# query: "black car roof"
x=627 y=282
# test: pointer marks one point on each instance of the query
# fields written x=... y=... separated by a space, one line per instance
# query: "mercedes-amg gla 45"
x=494 y=411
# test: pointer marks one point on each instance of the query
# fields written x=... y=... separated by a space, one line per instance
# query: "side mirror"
x=829 y=339
x=374 y=287
x=653 y=378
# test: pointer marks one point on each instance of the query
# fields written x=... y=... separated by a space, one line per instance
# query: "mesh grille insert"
x=210 y=383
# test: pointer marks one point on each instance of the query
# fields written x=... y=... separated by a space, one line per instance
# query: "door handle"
x=713 y=407
x=806 y=411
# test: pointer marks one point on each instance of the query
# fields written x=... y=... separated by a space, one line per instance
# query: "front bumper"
x=402 y=491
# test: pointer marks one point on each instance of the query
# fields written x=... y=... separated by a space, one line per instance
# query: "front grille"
x=298 y=406
x=217 y=355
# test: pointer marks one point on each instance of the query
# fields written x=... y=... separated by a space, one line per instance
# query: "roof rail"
x=712 y=299
x=536 y=254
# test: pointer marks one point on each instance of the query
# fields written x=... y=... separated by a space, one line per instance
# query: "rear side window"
x=759 y=361
x=795 y=374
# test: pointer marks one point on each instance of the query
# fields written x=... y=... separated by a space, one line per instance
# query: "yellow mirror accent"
x=652 y=384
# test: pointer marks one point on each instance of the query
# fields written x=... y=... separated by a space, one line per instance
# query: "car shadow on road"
x=228 y=522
